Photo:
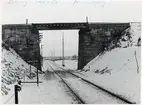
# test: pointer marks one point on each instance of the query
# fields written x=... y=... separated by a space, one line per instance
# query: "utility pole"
x=30 y=70
x=24 y=74
x=37 y=79
x=17 y=88
x=26 y=21
x=63 y=62
x=41 y=54
x=87 y=19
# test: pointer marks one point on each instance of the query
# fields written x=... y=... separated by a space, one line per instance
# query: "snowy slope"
x=117 y=69
x=14 y=68
x=130 y=37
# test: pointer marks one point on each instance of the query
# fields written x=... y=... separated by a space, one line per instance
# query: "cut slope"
x=14 y=68
x=117 y=69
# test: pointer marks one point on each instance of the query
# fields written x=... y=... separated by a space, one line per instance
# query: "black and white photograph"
x=71 y=51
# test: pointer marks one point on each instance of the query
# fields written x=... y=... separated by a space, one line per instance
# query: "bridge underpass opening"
x=51 y=46
x=92 y=39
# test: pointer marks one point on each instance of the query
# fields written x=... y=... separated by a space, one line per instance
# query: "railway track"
x=78 y=96
x=80 y=101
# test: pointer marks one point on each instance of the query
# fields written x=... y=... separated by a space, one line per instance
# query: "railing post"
x=17 y=88
x=37 y=78
x=16 y=95
x=30 y=70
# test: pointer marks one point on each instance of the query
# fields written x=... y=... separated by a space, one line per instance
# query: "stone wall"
x=93 y=40
x=24 y=39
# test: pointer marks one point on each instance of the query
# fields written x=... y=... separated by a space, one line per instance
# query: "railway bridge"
x=93 y=37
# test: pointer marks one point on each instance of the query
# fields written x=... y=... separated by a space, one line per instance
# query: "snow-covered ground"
x=48 y=92
x=51 y=91
x=118 y=69
x=70 y=64
x=91 y=94
x=14 y=68
x=88 y=93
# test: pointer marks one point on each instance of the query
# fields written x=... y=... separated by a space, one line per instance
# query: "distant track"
x=72 y=91
x=99 y=87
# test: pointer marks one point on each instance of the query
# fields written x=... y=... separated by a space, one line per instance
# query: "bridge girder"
x=59 y=26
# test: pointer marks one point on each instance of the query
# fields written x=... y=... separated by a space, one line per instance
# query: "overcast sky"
x=51 y=11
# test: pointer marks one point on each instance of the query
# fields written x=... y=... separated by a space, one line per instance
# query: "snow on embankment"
x=14 y=68
x=118 y=68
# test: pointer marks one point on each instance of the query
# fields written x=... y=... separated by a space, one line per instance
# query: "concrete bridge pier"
x=95 y=38
x=24 y=39
x=83 y=42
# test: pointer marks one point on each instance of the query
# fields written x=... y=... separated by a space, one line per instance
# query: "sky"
x=53 y=11
x=52 y=42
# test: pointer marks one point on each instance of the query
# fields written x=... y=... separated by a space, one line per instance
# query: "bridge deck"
x=59 y=26
x=64 y=26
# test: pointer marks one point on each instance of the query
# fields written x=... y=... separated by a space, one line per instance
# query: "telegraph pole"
x=63 y=63
x=37 y=79
x=26 y=21
x=87 y=19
